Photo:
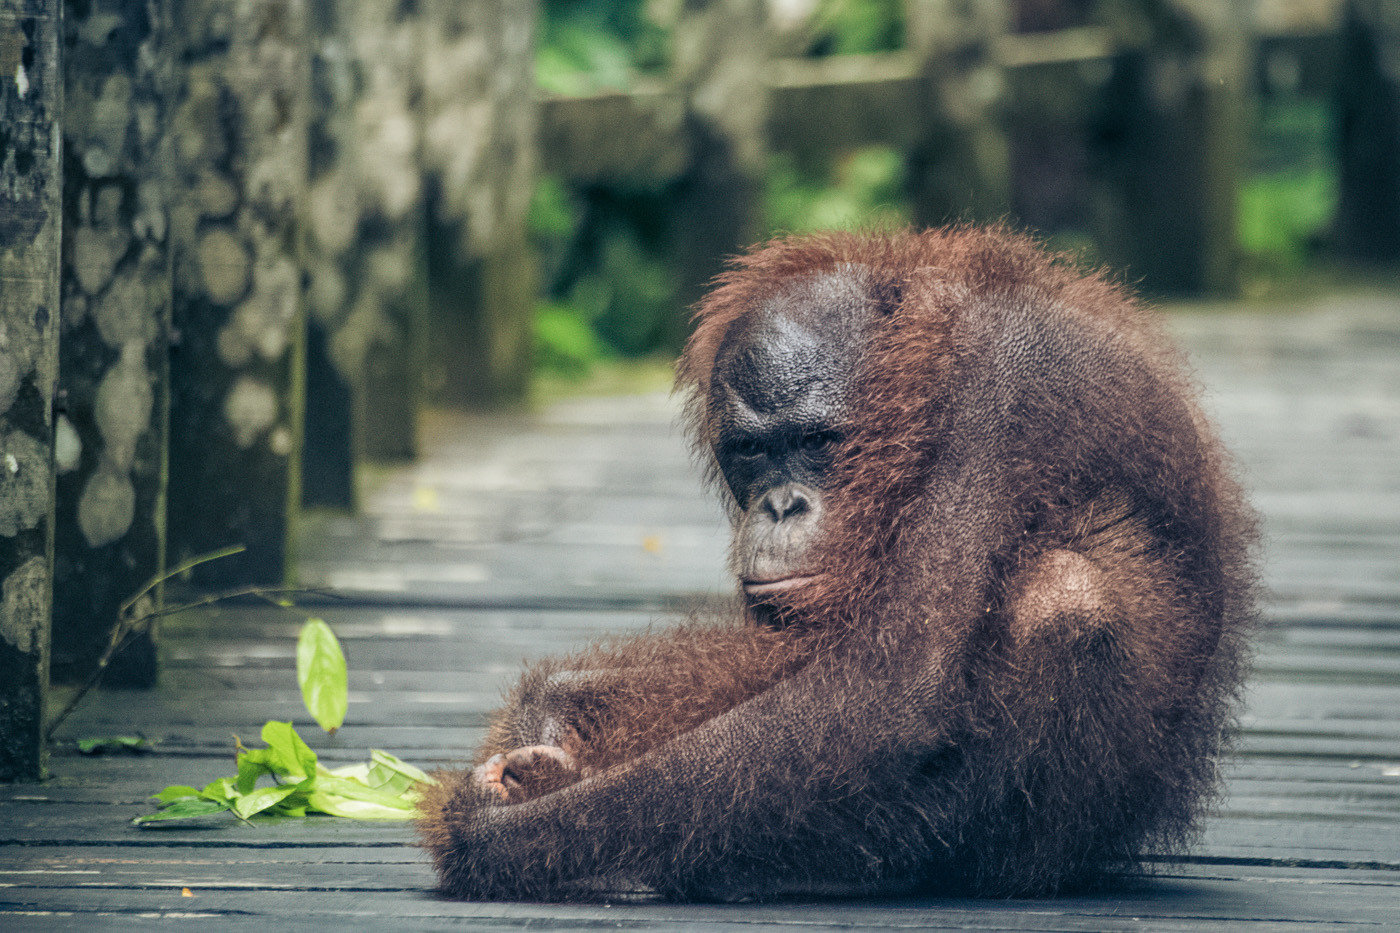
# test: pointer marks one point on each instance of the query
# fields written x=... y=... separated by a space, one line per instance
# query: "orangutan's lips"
x=782 y=585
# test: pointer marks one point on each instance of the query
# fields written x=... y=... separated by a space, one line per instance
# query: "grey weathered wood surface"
x=518 y=537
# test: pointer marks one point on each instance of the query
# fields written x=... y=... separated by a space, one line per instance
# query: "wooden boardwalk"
x=519 y=537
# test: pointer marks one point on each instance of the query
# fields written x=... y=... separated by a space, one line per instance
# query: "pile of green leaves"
x=285 y=779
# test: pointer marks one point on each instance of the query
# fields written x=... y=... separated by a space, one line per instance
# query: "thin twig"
x=128 y=626
x=175 y=571
x=260 y=591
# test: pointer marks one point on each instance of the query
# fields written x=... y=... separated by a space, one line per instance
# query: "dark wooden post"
x=1368 y=212
x=31 y=96
x=1177 y=149
x=110 y=530
x=239 y=139
x=961 y=168
x=721 y=49
x=479 y=159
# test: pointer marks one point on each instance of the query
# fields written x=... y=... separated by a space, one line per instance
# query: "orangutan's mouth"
x=761 y=588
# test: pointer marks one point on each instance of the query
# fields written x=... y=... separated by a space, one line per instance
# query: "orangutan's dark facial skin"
x=996 y=576
x=780 y=395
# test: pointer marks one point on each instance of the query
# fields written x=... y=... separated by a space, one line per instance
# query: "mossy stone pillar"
x=391 y=297
x=331 y=222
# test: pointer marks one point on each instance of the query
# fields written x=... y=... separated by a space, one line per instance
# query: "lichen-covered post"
x=331 y=222
x=239 y=155
x=367 y=282
x=721 y=50
x=1177 y=149
x=391 y=298
x=961 y=169
x=1368 y=210
x=479 y=160
x=30 y=222
x=115 y=324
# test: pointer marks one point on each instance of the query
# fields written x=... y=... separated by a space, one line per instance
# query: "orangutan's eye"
x=819 y=441
x=746 y=447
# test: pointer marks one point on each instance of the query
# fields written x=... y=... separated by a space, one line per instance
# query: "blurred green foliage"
x=853 y=27
x=1284 y=216
x=1289 y=196
x=606 y=252
x=595 y=45
x=862 y=188
x=609 y=273
x=608 y=279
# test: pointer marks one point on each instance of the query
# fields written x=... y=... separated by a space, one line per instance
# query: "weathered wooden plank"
x=637 y=137
x=820 y=106
x=56 y=823
x=205 y=870
x=1165 y=904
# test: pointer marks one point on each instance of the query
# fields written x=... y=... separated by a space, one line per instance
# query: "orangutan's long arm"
x=730 y=801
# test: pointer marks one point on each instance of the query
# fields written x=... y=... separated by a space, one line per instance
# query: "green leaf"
x=176 y=792
x=354 y=790
x=354 y=809
x=251 y=766
x=393 y=763
x=259 y=800
x=113 y=743
x=321 y=674
x=220 y=789
x=290 y=808
x=184 y=809
x=356 y=772
x=286 y=753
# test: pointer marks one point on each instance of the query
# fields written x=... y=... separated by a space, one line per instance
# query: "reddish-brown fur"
x=1016 y=672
